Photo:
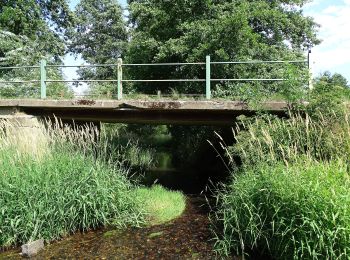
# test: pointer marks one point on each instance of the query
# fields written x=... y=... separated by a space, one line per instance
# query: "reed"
x=290 y=197
x=295 y=212
x=70 y=183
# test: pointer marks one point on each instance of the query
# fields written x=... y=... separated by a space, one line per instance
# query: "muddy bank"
x=187 y=237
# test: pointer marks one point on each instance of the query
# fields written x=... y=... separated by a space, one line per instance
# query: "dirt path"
x=184 y=238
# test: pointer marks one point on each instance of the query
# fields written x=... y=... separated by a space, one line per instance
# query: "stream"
x=187 y=237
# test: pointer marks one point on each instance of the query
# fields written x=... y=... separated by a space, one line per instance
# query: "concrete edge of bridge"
x=142 y=104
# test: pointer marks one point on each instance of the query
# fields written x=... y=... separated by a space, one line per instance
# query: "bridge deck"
x=138 y=111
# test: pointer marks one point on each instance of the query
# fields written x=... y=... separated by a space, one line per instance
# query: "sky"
x=333 y=54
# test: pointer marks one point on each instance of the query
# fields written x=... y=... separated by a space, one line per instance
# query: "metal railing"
x=119 y=65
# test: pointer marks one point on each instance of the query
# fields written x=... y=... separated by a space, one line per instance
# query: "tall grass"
x=290 y=198
x=72 y=186
x=126 y=147
x=296 y=212
x=271 y=139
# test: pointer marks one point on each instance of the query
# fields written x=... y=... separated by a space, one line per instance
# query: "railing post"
x=120 y=78
x=309 y=65
x=43 y=79
x=207 y=78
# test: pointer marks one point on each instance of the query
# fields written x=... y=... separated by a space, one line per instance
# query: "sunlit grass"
x=296 y=212
x=161 y=204
x=289 y=198
x=73 y=185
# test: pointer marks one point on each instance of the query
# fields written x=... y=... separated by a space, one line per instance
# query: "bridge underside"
x=138 y=111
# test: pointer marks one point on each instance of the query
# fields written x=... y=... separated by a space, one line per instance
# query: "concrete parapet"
x=24 y=133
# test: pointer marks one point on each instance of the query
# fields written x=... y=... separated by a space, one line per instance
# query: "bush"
x=70 y=186
x=296 y=212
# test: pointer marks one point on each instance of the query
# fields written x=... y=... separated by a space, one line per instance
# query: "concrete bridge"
x=183 y=112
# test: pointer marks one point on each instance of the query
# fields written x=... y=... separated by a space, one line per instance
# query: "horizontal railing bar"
x=125 y=64
x=82 y=66
x=247 y=79
x=83 y=80
x=152 y=64
x=19 y=67
x=196 y=80
x=164 y=64
x=20 y=81
x=159 y=80
x=139 y=80
x=257 y=62
x=163 y=80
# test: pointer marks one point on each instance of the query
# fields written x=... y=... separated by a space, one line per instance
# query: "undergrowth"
x=289 y=193
x=69 y=183
x=295 y=212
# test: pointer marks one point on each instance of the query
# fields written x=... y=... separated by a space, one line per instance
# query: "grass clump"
x=72 y=186
x=161 y=204
x=295 y=212
x=289 y=194
x=270 y=139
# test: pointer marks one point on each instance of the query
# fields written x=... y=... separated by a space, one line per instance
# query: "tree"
x=29 y=31
x=44 y=22
x=335 y=80
x=100 y=36
x=187 y=31
x=20 y=50
x=328 y=95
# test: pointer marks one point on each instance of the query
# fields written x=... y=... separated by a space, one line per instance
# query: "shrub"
x=71 y=186
x=296 y=212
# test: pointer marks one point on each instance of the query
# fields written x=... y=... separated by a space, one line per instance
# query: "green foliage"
x=30 y=31
x=161 y=204
x=328 y=95
x=128 y=148
x=71 y=185
x=185 y=31
x=270 y=139
x=289 y=197
x=44 y=22
x=19 y=50
x=100 y=37
x=100 y=33
x=295 y=212
x=333 y=80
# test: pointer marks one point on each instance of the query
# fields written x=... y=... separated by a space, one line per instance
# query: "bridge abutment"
x=24 y=132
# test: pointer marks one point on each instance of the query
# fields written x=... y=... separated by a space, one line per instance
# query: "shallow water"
x=184 y=238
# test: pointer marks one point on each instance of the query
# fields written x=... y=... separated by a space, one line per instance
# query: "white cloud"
x=333 y=53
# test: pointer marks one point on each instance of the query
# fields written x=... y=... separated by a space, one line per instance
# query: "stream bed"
x=187 y=237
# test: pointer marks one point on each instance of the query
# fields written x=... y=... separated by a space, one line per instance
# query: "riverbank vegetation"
x=288 y=197
x=299 y=211
x=70 y=182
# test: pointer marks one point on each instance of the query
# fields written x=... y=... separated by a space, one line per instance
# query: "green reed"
x=72 y=185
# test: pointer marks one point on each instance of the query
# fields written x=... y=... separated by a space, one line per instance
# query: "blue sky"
x=333 y=54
